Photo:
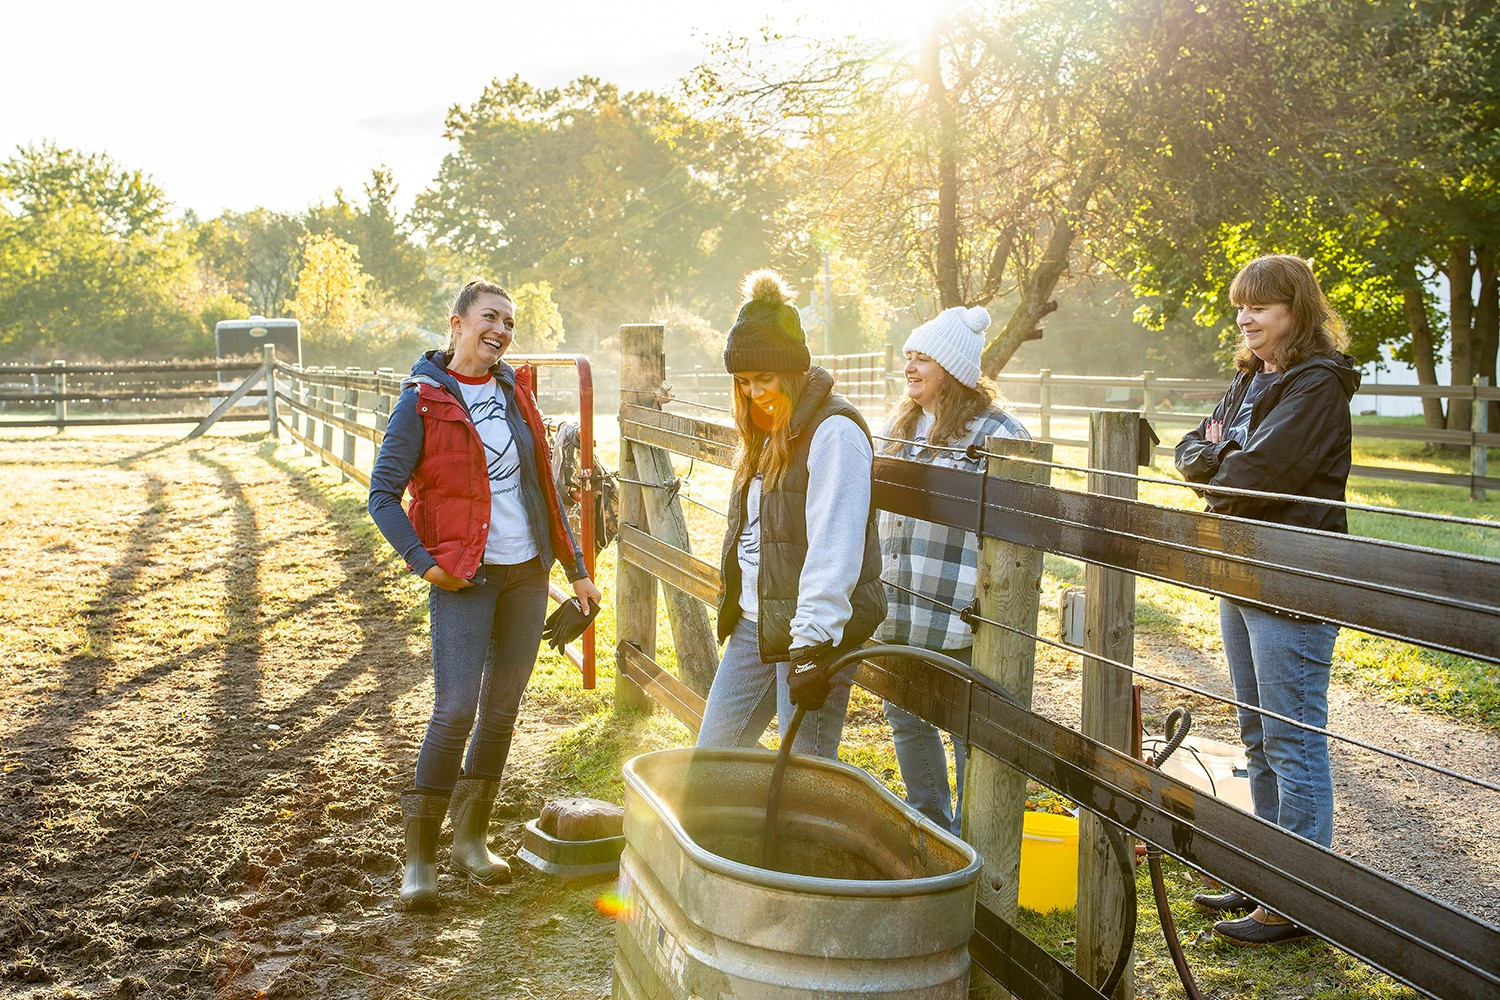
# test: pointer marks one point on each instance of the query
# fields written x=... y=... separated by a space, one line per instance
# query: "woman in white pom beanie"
x=949 y=405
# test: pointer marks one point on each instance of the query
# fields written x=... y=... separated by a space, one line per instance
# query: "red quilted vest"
x=450 y=487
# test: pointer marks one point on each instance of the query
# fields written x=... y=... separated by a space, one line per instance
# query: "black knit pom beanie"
x=767 y=335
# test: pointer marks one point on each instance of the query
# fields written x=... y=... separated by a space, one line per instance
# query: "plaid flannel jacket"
x=934 y=559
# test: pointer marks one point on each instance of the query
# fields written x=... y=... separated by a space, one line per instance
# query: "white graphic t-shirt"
x=749 y=553
x=1239 y=430
x=510 y=540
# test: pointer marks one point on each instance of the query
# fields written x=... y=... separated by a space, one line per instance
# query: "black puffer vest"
x=783 y=540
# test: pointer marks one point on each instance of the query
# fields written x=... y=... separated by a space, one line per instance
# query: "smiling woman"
x=1283 y=427
x=800 y=565
x=484 y=526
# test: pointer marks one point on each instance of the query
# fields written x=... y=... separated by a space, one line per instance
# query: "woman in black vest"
x=801 y=558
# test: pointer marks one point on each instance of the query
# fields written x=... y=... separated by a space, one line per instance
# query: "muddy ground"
x=211 y=693
x=210 y=699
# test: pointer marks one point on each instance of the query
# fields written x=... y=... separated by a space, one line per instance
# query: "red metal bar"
x=583 y=658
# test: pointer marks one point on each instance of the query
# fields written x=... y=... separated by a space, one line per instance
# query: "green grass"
x=1307 y=971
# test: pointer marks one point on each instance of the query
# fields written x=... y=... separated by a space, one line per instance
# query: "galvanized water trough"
x=871 y=900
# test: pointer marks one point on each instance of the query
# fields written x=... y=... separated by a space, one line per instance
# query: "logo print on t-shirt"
x=504 y=464
x=750 y=535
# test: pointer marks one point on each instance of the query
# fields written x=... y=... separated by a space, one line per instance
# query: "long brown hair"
x=766 y=451
x=953 y=410
x=1288 y=280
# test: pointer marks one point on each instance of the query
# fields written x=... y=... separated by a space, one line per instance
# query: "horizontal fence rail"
x=1439 y=600
x=1042 y=394
x=1396 y=929
x=62 y=394
x=1167 y=402
x=1444 y=600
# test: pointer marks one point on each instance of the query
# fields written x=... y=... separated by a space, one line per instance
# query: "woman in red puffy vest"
x=483 y=529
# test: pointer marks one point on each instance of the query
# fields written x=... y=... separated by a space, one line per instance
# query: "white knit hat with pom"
x=954 y=338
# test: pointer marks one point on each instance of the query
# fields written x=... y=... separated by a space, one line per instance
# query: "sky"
x=278 y=103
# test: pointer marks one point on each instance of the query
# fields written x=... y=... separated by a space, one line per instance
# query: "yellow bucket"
x=1049 y=862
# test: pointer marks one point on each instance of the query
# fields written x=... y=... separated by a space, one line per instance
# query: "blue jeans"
x=924 y=762
x=1282 y=665
x=747 y=693
x=484 y=644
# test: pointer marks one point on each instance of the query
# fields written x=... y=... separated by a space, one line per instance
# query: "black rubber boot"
x=422 y=815
x=473 y=801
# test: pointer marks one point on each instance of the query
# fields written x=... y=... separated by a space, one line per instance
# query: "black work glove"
x=567 y=623
x=808 y=680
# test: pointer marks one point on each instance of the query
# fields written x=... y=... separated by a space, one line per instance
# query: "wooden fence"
x=1171 y=401
x=62 y=394
x=863 y=378
x=1437 y=599
x=870 y=382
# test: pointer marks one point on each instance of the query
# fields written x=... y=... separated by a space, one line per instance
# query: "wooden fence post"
x=294 y=412
x=269 y=354
x=325 y=409
x=383 y=404
x=351 y=414
x=1148 y=388
x=1044 y=403
x=693 y=639
x=642 y=370
x=1109 y=619
x=60 y=384
x=1479 y=452
x=1009 y=591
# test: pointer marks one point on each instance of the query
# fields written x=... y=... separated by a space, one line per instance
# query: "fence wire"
x=976 y=452
x=972 y=616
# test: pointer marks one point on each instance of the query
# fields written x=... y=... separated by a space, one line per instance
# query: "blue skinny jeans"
x=484 y=645
x=924 y=761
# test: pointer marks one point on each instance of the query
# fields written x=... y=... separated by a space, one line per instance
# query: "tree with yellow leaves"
x=331 y=286
x=539 y=323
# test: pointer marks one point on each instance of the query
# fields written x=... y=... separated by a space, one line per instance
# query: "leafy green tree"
x=972 y=168
x=91 y=262
x=847 y=315
x=539 y=323
x=396 y=264
x=1374 y=153
x=257 y=255
x=619 y=200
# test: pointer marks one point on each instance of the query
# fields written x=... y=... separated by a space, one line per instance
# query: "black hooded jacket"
x=1298 y=443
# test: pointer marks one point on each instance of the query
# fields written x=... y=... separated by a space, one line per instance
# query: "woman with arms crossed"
x=1283 y=427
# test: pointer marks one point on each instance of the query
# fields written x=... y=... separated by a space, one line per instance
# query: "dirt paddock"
x=210 y=702
x=211 y=695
